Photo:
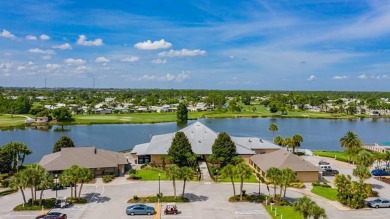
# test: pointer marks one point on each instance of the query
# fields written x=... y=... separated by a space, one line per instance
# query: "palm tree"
x=364 y=158
x=66 y=178
x=288 y=176
x=303 y=206
x=172 y=173
x=378 y=157
x=273 y=175
x=243 y=171
x=229 y=171
x=279 y=140
x=83 y=175
x=19 y=182
x=46 y=181
x=186 y=173
x=350 y=141
x=297 y=139
x=273 y=128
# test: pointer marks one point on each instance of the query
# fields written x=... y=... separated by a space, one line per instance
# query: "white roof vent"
x=261 y=140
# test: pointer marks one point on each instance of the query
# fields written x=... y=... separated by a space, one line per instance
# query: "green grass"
x=328 y=193
x=47 y=204
x=7 y=192
x=252 y=179
x=7 y=120
x=339 y=155
x=151 y=174
x=286 y=211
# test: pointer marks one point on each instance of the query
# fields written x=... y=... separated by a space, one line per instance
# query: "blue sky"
x=260 y=45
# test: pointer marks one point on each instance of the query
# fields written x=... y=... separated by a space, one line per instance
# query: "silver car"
x=379 y=203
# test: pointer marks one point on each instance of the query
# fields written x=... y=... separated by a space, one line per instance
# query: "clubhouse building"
x=201 y=139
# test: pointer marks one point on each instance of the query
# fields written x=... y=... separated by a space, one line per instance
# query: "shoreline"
x=152 y=118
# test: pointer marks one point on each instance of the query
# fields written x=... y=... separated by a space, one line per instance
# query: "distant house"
x=101 y=162
x=43 y=119
x=306 y=171
x=201 y=139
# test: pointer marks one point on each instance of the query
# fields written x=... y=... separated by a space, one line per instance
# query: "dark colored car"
x=139 y=209
x=330 y=172
x=53 y=215
x=323 y=162
x=379 y=203
x=58 y=187
x=379 y=172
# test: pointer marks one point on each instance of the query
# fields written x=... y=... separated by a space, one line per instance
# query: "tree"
x=173 y=172
x=223 y=148
x=19 y=182
x=185 y=174
x=243 y=171
x=361 y=172
x=84 y=175
x=288 y=176
x=378 y=157
x=351 y=142
x=273 y=108
x=182 y=113
x=364 y=158
x=70 y=177
x=63 y=142
x=229 y=171
x=273 y=128
x=297 y=139
x=180 y=150
x=46 y=181
x=309 y=208
x=279 y=140
x=16 y=151
x=273 y=175
x=350 y=192
x=62 y=114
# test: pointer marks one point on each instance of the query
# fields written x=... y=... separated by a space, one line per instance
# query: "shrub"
x=132 y=171
x=135 y=198
x=154 y=199
x=298 y=185
x=77 y=200
x=108 y=178
x=134 y=177
x=5 y=183
x=46 y=203
x=248 y=198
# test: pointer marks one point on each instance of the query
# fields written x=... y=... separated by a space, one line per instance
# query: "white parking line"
x=380 y=215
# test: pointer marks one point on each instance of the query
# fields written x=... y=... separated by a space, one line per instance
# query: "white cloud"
x=53 y=66
x=20 y=68
x=46 y=57
x=130 y=59
x=363 y=76
x=159 y=61
x=6 y=67
x=31 y=63
x=312 y=78
x=101 y=59
x=340 y=77
x=167 y=77
x=41 y=51
x=149 y=45
x=71 y=61
x=183 y=52
x=44 y=37
x=84 y=42
x=7 y=34
x=62 y=46
x=31 y=37
x=379 y=77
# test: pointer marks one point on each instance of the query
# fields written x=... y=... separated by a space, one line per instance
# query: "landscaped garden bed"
x=154 y=199
x=46 y=205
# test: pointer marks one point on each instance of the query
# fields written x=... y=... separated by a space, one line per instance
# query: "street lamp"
x=159 y=193
x=216 y=175
x=56 y=181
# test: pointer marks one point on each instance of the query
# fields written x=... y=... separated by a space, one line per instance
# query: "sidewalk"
x=205 y=175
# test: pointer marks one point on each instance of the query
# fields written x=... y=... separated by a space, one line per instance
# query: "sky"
x=216 y=44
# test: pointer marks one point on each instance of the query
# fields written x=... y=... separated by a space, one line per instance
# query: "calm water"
x=317 y=133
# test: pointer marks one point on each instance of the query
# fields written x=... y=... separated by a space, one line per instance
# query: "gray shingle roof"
x=282 y=159
x=201 y=139
x=88 y=157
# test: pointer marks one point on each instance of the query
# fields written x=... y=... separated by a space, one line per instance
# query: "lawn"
x=286 y=211
x=328 y=193
x=151 y=174
x=252 y=179
x=339 y=155
x=7 y=120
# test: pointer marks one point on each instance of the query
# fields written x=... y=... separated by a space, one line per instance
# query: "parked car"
x=323 y=162
x=139 y=209
x=171 y=208
x=53 y=215
x=325 y=167
x=57 y=187
x=330 y=172
x=379 y=172
x=379 y=203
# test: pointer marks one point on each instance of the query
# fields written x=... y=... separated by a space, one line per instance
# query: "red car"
x=53 y=215
x=171 y=209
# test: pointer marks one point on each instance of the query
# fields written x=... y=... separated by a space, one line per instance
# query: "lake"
x=318 y=134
